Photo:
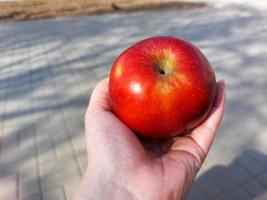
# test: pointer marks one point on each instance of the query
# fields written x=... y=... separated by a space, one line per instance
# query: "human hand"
x=123 y=166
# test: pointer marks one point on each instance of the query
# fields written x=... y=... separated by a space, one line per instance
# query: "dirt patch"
x=40 y=9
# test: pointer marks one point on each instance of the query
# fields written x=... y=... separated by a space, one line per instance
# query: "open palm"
x=124 y=166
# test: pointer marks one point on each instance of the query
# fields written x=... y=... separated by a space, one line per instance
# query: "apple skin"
x=161 y=87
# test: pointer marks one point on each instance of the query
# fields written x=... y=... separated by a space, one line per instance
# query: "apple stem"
x=161 y=71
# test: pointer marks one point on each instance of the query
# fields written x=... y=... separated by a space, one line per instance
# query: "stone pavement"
x=48 y=69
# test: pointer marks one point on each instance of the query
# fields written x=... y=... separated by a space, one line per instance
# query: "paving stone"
x=27 y=137
x=262 y=196
x=255 y=188
x=209 y=186
x=8 y=187
x=195 y=193
x=9 y=140
x=32 y=195
x=29 y=179
x=59 y=172
x=240 y=193
x=71 y=187
x=46 y=151
x=54 y=193
x=252 y=166
x=224 y=197
x=263 y=178
x=259 y=158
x=231 y=177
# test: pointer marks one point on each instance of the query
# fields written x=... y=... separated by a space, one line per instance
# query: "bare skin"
x=123 y=166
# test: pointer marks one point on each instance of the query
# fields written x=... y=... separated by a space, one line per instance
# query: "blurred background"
x=52 y=54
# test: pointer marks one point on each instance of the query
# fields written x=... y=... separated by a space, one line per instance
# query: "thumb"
x=100 y=98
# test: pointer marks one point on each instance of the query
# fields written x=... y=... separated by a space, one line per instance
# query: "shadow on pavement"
x=244 y=178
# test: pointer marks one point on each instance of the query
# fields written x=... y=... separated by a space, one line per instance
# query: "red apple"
x=161 y=87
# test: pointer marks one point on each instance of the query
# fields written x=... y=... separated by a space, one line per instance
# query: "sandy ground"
x=39 y=9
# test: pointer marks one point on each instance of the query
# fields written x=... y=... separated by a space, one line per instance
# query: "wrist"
x=95 y=186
